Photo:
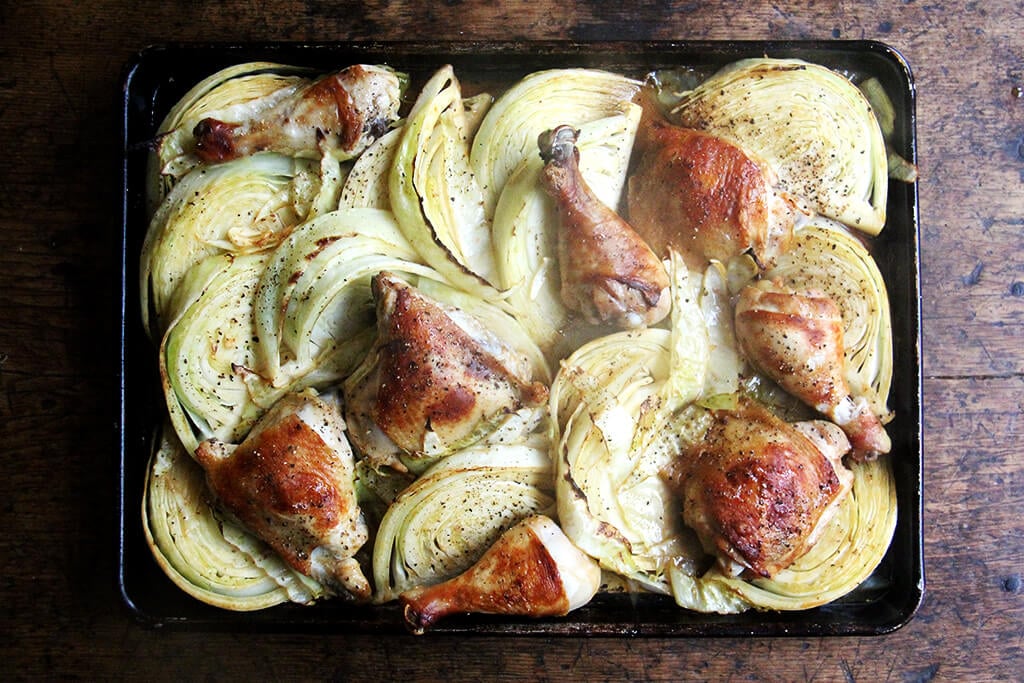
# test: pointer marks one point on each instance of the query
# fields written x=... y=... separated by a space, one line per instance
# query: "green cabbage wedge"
x=433 y=191
x=314 y=311
x=848 y=552
x=366 y=185
x=321 y=191
x=207 y=356
x=541 y=100
x=899 y=168
x=526 y=224
x=206 y=555
x=444 y=521
x=621 y=412
x=242 y=206
x=828 y=258
x=810 y=124
x=725 y=364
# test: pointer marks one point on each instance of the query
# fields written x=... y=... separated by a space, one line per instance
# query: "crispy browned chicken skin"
x=533 y=570
x=758 y=490
x=440 y=376
x=797 y=340
x=704 y=196
x=291 y=482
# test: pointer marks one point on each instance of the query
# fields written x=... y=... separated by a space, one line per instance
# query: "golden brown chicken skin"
x=758 y=490
x=344 y=111
x=704 y=196
x=291 y=482
x=609 y=274
x=797 y=340
x=532 y=570
x=440 y=375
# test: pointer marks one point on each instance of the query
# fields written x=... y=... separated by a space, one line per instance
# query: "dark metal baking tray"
x=158 y=76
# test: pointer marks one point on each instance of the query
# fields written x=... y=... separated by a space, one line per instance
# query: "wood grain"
x=60 y=71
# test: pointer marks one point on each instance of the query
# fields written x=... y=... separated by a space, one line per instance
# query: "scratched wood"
x=60 y=67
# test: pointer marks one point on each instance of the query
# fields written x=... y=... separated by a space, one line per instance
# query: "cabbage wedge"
x=725 y=364
x=810 y=124
x=207 y=356
x=242 y=206
x=446 y=519
x=541 y=100
x=826 y=257
x=848 y=552
x=621 y=411
x=526 y=224
x=366 y=185
x=206 y=555
x=434 y=193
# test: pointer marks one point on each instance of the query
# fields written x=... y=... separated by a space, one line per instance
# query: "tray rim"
x=298 y=618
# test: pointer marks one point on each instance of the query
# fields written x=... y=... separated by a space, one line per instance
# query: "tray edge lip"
x=148 y=53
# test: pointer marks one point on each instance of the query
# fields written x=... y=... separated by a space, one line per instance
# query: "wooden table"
x=60 y=615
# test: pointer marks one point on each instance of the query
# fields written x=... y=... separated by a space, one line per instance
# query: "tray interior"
x=160 y=75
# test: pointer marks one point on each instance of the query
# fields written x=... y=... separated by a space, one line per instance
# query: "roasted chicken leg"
x=343 y=112
x=704 y=196
x=757 y=490
x=291 y=482
x=533 y=570
x=439 y=377
x=608 y=272
x=797 y=340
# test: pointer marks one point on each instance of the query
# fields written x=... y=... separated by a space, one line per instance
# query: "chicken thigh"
x=705 y=197
x=439 y=378
x=533 y=570
x=344 y=111
x=291 y=482
x=758 y=490
x=797 y=340
x=608 y=272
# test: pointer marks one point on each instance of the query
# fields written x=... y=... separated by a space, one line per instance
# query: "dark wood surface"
x=60 y=613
